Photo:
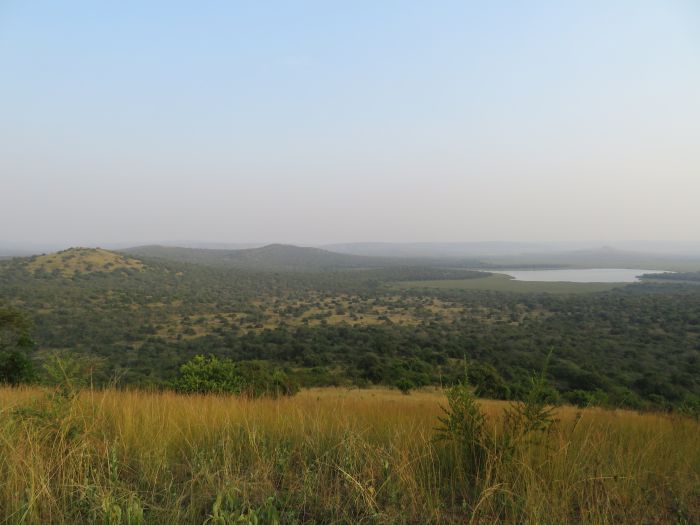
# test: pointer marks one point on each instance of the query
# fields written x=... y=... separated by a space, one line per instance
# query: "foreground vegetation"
x=337 y=456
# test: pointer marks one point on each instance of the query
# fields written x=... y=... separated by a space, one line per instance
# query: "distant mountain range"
x=285 y=257
x=273 y=257
x=436 y=249
x=500 y=248
x=476 y=255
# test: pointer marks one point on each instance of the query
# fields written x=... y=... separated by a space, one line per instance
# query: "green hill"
x=285 y=257
x=68 y=263
x=274 y=257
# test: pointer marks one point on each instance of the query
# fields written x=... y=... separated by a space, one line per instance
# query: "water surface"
x=580 y=275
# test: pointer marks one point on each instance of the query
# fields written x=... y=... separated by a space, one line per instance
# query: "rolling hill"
x=284 y=257
x=273 y=257
x=72 y=261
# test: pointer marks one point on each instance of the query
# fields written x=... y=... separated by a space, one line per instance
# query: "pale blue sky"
x=317 y=122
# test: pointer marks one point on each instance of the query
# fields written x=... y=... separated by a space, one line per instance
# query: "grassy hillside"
x=331 y=456
x=74 y=261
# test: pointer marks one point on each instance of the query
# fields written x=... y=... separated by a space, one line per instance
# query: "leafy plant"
x=209 y=374
x=205 y=374
x=229 y=509
x=532 y=416
x=463 y=424
x=405 y=385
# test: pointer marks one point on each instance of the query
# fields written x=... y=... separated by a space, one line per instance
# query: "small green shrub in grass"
x=209 y=374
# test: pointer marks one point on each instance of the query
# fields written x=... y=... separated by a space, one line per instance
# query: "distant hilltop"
x=68 y=263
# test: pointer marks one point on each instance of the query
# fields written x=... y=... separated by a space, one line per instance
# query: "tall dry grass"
x=328 y=456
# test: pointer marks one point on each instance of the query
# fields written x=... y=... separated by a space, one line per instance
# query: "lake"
x=579 y=275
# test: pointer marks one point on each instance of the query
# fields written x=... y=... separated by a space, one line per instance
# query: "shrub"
x=405 y=385
x=483 y=458
x=488 y=382
x=463 y=424
x=209 y=374
x=259 y=378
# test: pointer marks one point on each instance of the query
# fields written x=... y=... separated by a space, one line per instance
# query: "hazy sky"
x=326 y=121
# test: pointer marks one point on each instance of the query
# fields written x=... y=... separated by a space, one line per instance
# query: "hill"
x=289 y=258
x=68 y=263
x=273 y=257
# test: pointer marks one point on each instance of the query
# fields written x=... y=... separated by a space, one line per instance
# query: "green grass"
x=503 y=283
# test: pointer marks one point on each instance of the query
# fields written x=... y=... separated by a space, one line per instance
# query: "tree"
x=15 y=344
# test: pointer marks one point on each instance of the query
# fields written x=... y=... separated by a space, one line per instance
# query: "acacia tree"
x=15 y=344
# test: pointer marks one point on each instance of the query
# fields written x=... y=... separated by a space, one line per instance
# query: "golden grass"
x=326 y=456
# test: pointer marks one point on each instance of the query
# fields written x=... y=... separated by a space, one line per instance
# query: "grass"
x=327 y=456
x=504 y=283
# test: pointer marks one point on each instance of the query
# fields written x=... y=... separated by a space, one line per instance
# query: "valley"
x=142 y=313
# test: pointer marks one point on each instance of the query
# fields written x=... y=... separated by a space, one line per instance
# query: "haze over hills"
x=273 y=257
x=433 y=249
x=501 y=248
x=604 y=257
x=477 y=255
x=282 y=257
x=279 y=257
x=468 y=249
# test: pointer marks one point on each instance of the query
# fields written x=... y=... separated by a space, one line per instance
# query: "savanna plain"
x=287 y=385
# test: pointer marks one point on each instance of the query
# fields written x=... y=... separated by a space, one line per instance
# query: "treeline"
x=673 y=276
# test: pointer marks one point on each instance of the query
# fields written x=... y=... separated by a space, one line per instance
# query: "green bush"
x=260 y=378
x=405 y=385
x=209 y=374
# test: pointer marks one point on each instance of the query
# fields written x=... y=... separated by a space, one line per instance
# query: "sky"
x=320 y=122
